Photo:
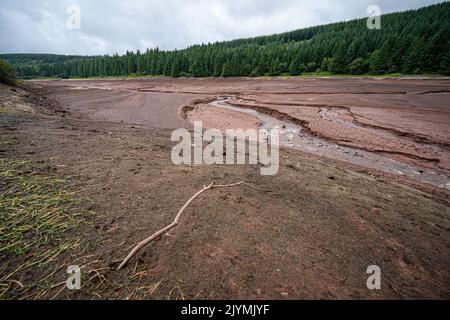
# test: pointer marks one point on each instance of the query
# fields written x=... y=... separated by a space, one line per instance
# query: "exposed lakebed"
x=296 y=137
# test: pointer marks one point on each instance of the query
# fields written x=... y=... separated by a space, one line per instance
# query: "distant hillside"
x=412 y=42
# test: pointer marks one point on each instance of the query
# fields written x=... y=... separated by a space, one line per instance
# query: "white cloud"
x=109 y=26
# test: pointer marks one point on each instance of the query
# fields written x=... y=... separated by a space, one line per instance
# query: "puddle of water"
x=293 y=136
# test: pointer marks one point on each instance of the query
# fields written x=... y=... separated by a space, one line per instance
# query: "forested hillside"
x=412 y=42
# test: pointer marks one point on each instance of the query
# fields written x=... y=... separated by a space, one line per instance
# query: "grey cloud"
x=117 y=25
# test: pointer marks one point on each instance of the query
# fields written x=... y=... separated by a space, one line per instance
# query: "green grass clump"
x=4 y=110
x=36 y=211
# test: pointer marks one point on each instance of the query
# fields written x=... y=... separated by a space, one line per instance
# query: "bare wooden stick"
x=238 y=184
x=177 y=218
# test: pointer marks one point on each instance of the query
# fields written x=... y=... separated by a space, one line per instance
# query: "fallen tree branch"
x=177 y=218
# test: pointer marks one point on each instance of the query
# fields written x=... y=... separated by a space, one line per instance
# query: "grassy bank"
x=37 y=213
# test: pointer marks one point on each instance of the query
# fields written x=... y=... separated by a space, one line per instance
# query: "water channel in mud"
x=294 y=136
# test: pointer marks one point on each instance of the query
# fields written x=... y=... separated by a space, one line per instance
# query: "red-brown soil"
x=407 y=120
x=313 y=236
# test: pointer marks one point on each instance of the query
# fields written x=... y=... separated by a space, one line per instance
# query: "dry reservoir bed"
x=397 y=127
x=333 y=210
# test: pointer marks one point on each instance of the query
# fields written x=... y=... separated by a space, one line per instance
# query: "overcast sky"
x=109 y=26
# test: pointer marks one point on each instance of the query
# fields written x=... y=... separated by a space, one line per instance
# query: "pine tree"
x=227 y=70
x=325 y=64
x=340 y=62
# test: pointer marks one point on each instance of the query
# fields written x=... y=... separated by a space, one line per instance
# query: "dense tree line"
x=412 y=42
